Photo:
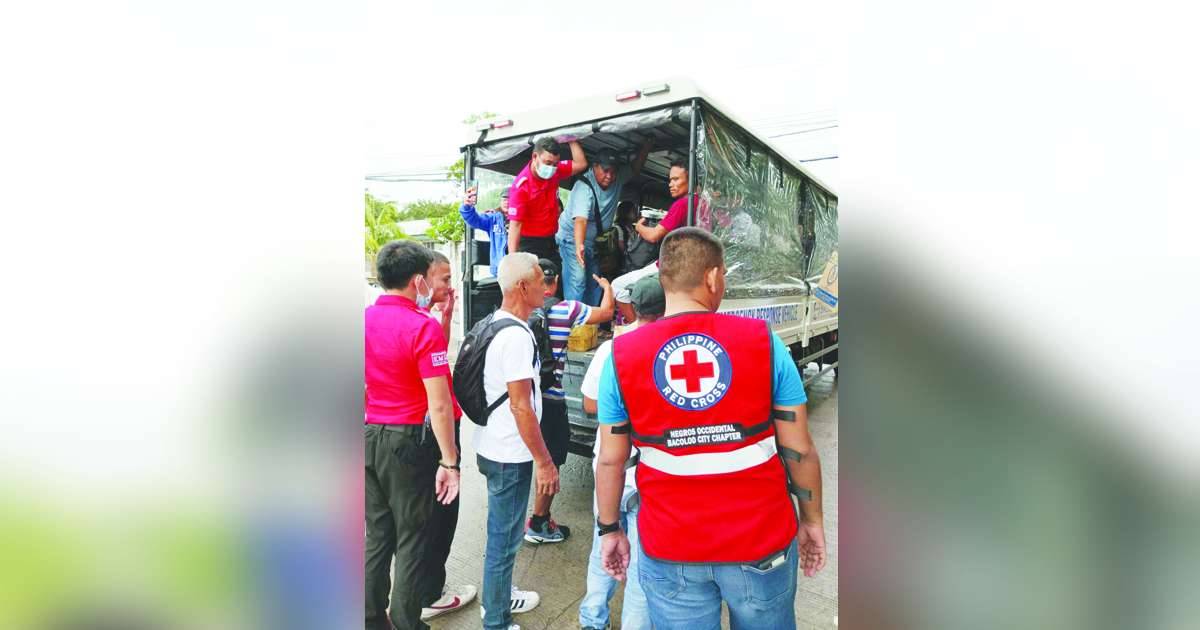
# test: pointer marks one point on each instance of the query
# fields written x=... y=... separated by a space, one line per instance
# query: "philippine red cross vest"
x=698 y=390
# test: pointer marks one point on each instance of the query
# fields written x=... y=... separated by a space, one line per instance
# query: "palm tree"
x=381 y=224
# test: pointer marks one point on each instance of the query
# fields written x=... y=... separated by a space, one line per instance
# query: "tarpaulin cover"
x=777 y=226
x=503 y=150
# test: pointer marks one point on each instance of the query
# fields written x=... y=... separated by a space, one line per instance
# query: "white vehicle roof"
x=679 y=90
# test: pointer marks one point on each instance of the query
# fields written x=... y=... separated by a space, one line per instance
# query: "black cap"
x=549 y=268
x=606 y=158
x=647 y=296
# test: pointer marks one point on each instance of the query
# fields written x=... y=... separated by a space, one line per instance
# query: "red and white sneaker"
x=453 y=598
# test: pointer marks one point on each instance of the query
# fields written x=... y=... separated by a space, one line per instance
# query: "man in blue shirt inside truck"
x=593 y=197
x=494 y=222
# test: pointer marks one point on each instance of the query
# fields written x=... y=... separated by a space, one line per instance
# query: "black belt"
x=414 y=429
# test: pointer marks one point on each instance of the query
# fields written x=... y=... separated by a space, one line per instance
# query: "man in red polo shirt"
x=411 y=454
x=533 y=206
x=677 y=185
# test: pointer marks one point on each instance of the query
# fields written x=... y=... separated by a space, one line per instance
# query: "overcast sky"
x=777 y=68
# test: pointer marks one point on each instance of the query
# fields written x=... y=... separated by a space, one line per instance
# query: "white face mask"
x=424 y=301
x=545 y=171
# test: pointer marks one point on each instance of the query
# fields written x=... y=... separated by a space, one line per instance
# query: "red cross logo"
x=691 y=371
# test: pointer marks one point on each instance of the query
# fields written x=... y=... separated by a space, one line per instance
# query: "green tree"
x=428 y=209
x=457 y=171
x=382 y=224
x=445 y=222
x=446 y=228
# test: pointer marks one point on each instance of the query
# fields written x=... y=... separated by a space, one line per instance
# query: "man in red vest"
x=717 y=409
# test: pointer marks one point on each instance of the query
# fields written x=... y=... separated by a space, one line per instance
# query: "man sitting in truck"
x=677 y=185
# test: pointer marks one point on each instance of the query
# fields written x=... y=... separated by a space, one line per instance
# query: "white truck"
x=777 y=221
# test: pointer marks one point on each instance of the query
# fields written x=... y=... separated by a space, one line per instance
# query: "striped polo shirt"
x=559 y=321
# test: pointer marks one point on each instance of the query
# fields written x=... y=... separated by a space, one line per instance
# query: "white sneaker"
x=522 y=602
x=453 y=598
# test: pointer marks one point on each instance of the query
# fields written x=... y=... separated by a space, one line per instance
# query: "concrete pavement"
x=558 y=571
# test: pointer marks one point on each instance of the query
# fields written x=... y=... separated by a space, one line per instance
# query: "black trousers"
x=556 y=429
x=404 y=522
x=442 y=524
x=543 y=247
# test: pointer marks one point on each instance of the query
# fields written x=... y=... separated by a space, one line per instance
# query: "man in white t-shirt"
x=649 y=303
x=510 y=450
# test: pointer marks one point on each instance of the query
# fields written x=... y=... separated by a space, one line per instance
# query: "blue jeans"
x=593 y=610
x=508 y=498
x=578 y=283
x=688 y=596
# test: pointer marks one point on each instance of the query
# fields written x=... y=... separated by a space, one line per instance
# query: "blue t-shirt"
x=579 y=204
x=788 y=388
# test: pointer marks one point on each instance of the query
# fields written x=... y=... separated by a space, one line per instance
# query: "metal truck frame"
x=778 y=221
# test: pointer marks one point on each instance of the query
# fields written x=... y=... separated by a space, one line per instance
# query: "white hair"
x=515 y=268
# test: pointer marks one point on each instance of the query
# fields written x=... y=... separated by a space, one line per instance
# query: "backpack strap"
x=501 y=324
x=595 y=218
x=492 y=407
x=541 y=315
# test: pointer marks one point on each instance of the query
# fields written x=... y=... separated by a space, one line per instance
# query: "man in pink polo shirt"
x=533 y=206
x=412 y=455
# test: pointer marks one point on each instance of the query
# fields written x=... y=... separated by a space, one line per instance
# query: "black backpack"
x=540 y=326
x=638 y=251
x=468 y=370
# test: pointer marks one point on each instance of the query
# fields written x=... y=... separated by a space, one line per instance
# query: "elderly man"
x=509 y=449
x=592 y=210
x=552 y=325
x=533 y=202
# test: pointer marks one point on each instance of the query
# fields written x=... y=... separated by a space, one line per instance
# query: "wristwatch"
x=454 y=467
x=603 y=528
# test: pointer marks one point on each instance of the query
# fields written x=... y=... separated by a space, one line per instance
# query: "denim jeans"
x=593 y=610
x=577 y=282
x=508 y=498
x=688 y=596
